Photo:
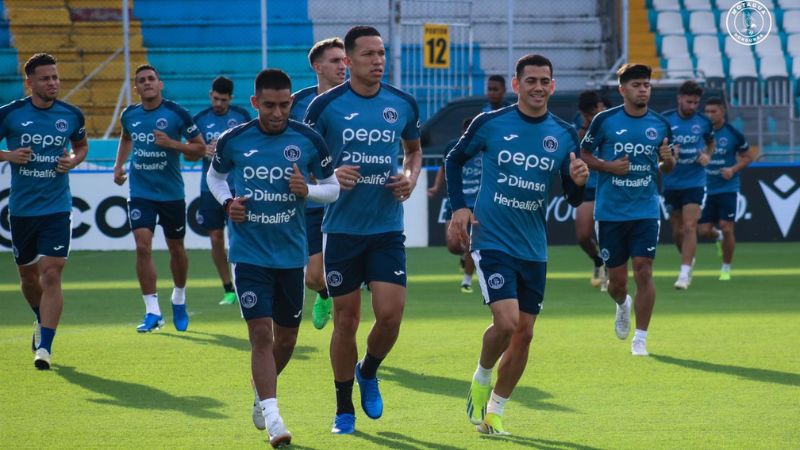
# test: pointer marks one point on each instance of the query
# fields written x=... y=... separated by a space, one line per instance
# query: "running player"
x=268 y=160
x=522 y=147
x=151 y=133
x=627 y=145
x=39 y=131
x=364 y=122
x=327 y=59
x=212 y=122
x=731 y=155
x=685 y=186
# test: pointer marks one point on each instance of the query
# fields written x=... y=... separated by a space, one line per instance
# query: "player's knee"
x=454 y=246
x=524 y=337
x=143 y=249
x=50 y=276
x=389 y=321
x=314 y=280
x=642 y=271
x=29 y=279
x=286 y=342
x=726 y=227
x=217 y=240
x=506 y=326
x=261 y=337
x=345 y=323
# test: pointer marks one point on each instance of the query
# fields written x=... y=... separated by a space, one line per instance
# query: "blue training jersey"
x=155 y=172
x=470 y=176
x=260 y=164
x=520 y=157
x=730 y=142
x=691 y=135
x=212 y=125
x=613 y=134
x=365 y=132
x=302 y=99
x=36 y=188
x=591 y=183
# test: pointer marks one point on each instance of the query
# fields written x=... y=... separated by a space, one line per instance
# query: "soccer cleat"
x=36 y=339
x=492 y=424
x=639 y=347
x=321 y=312
x=149 y=323
x=477 y=398
x=622 y=320
x=371 y=401
x=229 y=299
x=724 y=275
x=258 y=417
x=279 y=436
x=466 y=289
x=682 y=283
x=344 y=424
x=42 y=359
x=179 y=317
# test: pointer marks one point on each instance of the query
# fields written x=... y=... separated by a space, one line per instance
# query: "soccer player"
x=522 y=147
x=589 y=104
x=731 y=155
x=151 y=132
x=38 y=131
x=684 y=187
x=212 y=122
x=364 y=122
x=268 y=160
x=327 y=59
x=627 y=145
x=495 y=93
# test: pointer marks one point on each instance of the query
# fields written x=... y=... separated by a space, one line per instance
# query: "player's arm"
x=574 y=174
x=404 y=183
x=437 y=181
x=708 y=151
x=123 y=152
x=666 y=151
x=745 y=156
x=18 y=156
x=592 y=142
x=467 y=147
x=70 y=160
x=193 y=149
x=217 y=180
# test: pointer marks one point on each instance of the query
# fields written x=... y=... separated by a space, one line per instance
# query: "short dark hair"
x=497 y=79
x=319 y=48
x=690 y=87
x=272 y=79
x=144 y=67
x=357 y=32
x=39 y=59
x=716 y=101
x=631 y=71
x=533 y=60
x=222 y=85
x=588 y=100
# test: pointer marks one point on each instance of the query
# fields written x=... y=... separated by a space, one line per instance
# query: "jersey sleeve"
x=188 y=127
x=321 y=165
x=223 y=162
x=80 y=130
x=572 y=191
x=123 y=121
x=708 y=133
x=472 y=142
x=741 y=142
x=411 y=131
x=594 y=137
x=314 y=116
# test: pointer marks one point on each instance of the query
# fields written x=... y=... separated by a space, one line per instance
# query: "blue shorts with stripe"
x=503 y=276
x=37 y=236
x=265 y=292
x=719 y=207
x=211 y=215
x=354 y=259
x=171 y=215
x=620 y=241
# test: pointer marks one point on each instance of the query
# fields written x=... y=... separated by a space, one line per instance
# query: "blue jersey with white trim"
x=520 y=156
x=155 y=172
x=470 y=176
x=212 y=125
x=260 y=164
x=36 y=188
x=730 y=142
x=302 y=99
x=691 y=135
x=365 y=132
x=612 y=135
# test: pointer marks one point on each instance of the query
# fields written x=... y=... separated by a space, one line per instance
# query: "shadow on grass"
x=750 y=373
x=139 y=396
x=527 y=396
x=203 y=338
x=401 y=441
x=543 y=444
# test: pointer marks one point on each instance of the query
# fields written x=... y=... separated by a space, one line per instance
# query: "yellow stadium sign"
x=436 y=46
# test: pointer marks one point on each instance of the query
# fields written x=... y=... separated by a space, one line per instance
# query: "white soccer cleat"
x=279 y=436
x=37 y=336
x=42 y=359
x=622 y=320
x=683 y=283
x=258 y=417
x=639 y=347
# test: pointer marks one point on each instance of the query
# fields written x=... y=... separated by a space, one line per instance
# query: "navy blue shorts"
x=275 y=293
x=354 y=259
x=142 y=213
x=503 y=276
x=719 y=207
x=314 y=229
x=622 y=240
x=675 y=200
x=211 y=214
x=37 y=236
x=589 y=194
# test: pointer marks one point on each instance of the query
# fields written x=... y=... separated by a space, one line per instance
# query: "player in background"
x=522 y=147
x=471 y=180
x=684 y=187
x=731 y=155
x=212 y=122
x=268 y=246
x=627 y=146
x=495 y=93
x=327 y=59
x=589 y=104
x=151 y=137
x=39 y=131
x=364 y=123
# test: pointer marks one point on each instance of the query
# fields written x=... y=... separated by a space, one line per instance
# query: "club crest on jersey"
x=696 y=129
x=161 y=123
x=723 y=141
x=334 y=278
x=232 y=123
x=248 y=299
x=550 y=144
x=651 y=133
x=61 y=125
x=136 y=214
x=390 y=115
x=605 y=254
x=291 y=152
x=496 y=281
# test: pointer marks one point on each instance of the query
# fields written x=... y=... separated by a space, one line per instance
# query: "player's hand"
x=664 y=152
x=401 y=186
x=211 y=148
x=347 y=176
x=726 y=172
x=66 y=162
x=619 y=166
x=237 y=210
x=297 y=182
x=578 y=170
x=19 y=156
x=459 y=225
x=162 y=140
x=703 y=159
x=119 y=175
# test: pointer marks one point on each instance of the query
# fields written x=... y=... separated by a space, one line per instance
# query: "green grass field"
x=724 y=370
